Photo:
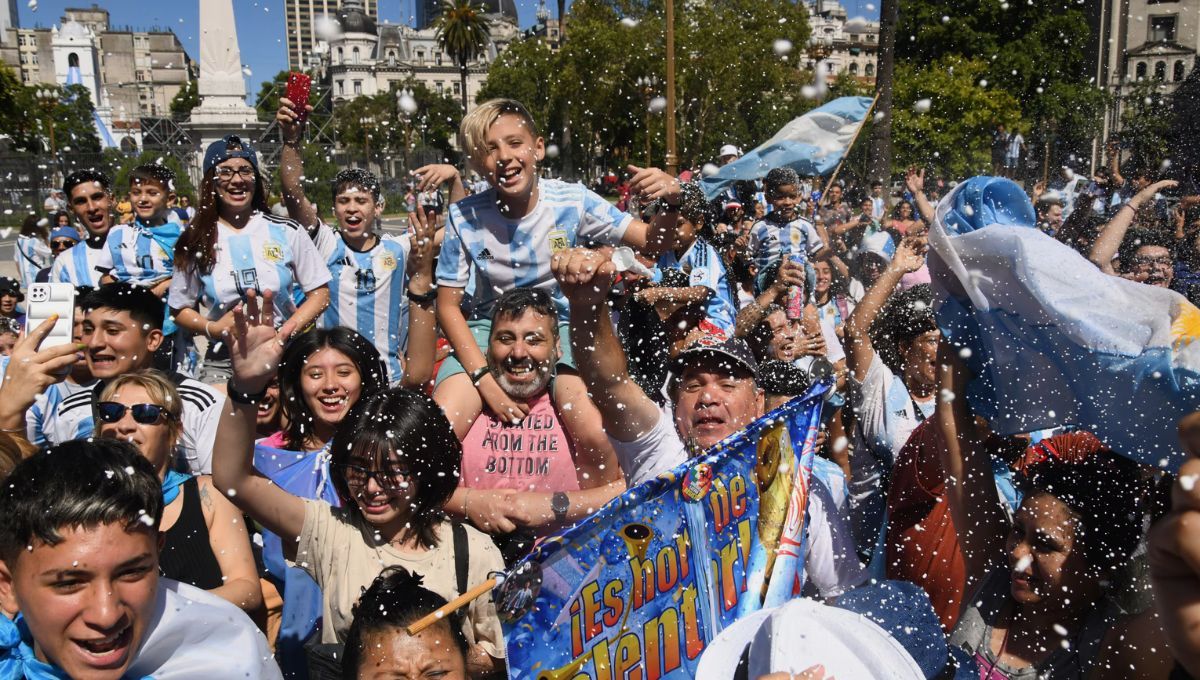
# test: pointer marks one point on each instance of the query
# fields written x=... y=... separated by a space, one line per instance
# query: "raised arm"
x=915 y=181
x=652 y=184
x=1113 y=234
x=435 y=175
x=422 y=324
x=255 y=350
x=975 y=505
x=291 y=165
x=586 y=277
x=790 y=274
x=910 y=256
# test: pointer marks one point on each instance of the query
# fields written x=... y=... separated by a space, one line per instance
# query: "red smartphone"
x=298 y=87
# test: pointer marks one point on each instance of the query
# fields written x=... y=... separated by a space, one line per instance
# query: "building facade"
x=849 y=46
x=369 y=57
x=8 y=18
x=130 y=74
x=303 y=19
x=1145 y=40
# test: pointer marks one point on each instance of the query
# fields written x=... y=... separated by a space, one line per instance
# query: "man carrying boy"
x=90 y=196
x=143 y=251
x=79 y=564
x=505 y=237
x=783 y=233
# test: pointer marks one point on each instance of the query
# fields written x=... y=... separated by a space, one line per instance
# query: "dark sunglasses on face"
x=145 y=414
x=61 y=243
x=391 y=479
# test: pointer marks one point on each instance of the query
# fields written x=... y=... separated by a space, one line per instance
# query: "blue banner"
x=650 y=579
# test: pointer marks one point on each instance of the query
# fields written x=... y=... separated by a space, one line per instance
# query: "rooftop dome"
x=354 y=18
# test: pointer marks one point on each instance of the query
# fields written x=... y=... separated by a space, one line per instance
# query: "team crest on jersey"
x=273 y=253
x=387 y=262
x=558 y=241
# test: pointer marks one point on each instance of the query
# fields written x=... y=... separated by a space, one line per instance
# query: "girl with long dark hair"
x=235 y=245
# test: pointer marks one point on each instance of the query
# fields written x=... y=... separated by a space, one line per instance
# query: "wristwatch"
x=478 y=374
x=560 y=503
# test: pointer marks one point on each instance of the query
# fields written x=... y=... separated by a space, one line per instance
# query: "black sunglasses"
x=391 y=479
x=145 y=414
x=62 y=243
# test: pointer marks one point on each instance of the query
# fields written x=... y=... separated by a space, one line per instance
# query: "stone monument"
x=223 y=109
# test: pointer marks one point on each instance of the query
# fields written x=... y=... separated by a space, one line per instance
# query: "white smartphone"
x=45 y=300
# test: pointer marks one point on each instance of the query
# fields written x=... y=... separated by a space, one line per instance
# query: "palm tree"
x=462 y=32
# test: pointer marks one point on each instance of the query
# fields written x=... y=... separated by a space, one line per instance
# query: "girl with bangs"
x=394 y=463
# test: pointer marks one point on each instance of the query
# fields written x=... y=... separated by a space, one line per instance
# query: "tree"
x=1145 y=122
x=186 y=99
x=462 y=32
x=369 y=126
x=183 y=183
x=954 y=136
x=1036 y=52
x=731 y=85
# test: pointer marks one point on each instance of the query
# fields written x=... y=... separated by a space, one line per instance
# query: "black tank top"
x=186 y=555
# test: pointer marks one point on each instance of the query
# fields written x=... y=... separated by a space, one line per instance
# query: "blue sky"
x=259 y=22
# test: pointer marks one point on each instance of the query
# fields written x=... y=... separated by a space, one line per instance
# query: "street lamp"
x=646 y=87
x=672 y=160
x=49 y=99
x=406 y=105
x=367 y=122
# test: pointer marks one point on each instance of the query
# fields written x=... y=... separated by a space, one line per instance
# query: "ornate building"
x=850 y=47
x=368 y=57
x=303 y=25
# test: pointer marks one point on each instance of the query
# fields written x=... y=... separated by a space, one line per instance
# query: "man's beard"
x=524 y=390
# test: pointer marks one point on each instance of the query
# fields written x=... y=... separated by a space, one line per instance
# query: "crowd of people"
x=277 y=441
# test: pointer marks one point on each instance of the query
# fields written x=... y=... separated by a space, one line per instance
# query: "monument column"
x=223 y=109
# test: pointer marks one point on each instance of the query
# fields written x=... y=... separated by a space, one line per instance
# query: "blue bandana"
x=170 y=487
x=17 y=659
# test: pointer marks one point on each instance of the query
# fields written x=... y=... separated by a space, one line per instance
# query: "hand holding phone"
x=298 y=89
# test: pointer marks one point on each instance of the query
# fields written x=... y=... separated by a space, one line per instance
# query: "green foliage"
x=954 y=137
x=731 y=86
x=319 y=171
x=375 y=123
x=1145 y=122
x=1036 y=52
x=27 y=120
x=462 y=32
x=186 y=99
x=183 y=182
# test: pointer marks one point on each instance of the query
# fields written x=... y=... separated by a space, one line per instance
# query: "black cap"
x=733 y=352
x=11 y=287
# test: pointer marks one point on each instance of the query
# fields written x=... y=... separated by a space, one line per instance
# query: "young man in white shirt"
x=714 y=393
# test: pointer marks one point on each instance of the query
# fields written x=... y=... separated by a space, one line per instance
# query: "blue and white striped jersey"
x=704 y=267
x=504 y=254
x=32 y=256
x=270 y=253
x=367 y=292
x=82 y=265
x=770 y=240
x=137 y=256
x=202 y=404
x=48 y=405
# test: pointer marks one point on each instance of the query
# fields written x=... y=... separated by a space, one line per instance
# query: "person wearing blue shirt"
x=91 y=199
x=700 y=262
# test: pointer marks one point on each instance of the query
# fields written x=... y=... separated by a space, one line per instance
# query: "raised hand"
x=291 y=129
x=434 y=175
x=1149 y=192
x=910 y=255
x=584 y=275
x=255 y=347
x=31 y=369
x=420 y=252
x=651 y=183
x=914 y=179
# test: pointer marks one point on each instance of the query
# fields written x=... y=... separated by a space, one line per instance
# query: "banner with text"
x=650 y=579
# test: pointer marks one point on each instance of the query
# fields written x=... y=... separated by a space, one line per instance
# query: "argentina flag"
x=812 y=144
x=1050 y=338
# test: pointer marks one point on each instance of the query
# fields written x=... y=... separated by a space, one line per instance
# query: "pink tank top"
x=535 y=455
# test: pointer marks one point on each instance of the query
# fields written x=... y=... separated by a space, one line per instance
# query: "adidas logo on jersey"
x=485 y=254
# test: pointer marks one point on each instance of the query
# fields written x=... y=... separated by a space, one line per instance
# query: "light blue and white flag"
x=74 y=77
x=1052 y=340
x=812 y=144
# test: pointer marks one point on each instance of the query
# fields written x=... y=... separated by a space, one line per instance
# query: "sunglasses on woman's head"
x=145 y=414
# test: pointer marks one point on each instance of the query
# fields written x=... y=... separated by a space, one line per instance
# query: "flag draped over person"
x=812 y=144
x=1052 y=340
x=656 y=574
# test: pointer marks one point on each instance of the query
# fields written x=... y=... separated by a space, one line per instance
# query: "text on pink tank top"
x=535 y=455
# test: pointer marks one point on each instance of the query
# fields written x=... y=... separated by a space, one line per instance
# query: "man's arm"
x=790 y=274
x=504 y=510
x=1113 y=233
x=915 y=181
x=291 y=166
x=910 y=256
x=585 y=277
